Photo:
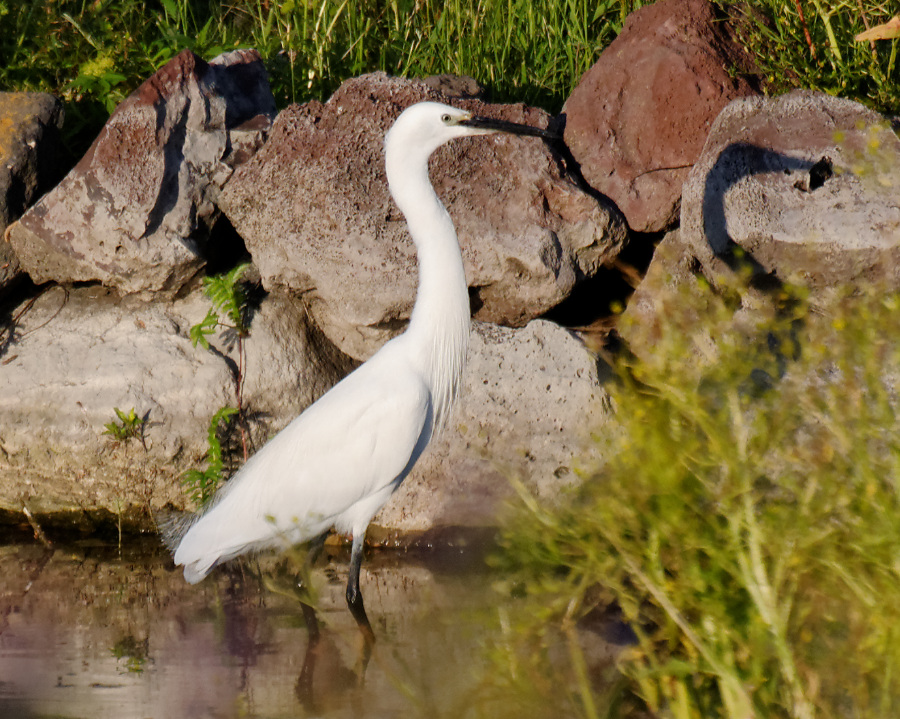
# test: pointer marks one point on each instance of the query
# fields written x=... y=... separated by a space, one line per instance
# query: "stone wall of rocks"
x=100 y=277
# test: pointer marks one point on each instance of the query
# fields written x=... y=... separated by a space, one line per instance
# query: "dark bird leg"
x=355 y=601
x=304 y=686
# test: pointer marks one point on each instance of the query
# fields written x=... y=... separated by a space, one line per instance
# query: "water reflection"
x=85 y=632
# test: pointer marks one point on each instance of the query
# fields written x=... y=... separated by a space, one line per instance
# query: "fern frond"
x=206 y=326
x=214 y=454
x=229 y=295
x=202 y=484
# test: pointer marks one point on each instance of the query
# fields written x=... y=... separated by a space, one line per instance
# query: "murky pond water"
x=87 y=631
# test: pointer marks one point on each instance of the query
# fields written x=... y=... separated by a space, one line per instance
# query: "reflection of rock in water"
x=70 y=618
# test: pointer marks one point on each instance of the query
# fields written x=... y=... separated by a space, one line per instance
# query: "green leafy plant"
x=97 y=78
x=128 y=426
x=228 y=294
x=747 y=519
x=202 y=484
x=229 y=297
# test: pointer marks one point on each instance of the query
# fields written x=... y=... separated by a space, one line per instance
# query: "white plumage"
x=338 y=462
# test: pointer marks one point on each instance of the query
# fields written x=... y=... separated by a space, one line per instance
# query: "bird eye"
x=446 y=118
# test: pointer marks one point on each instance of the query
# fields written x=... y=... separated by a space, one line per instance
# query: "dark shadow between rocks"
x=173 y=158
x=16 y=306
x=595 y=300
x=592 y=305
x=223 y=248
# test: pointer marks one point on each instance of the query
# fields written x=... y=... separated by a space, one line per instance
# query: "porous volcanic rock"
x=531 y=399
x=638 y=118
x=671 y=277
x=135 y=211
x=29 y=146
x=77 y=354
x=805 y=184
x=314 y=210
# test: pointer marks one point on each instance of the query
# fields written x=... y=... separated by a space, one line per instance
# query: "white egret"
x=338 y=462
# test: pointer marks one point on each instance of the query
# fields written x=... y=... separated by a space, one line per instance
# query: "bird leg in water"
x=304 y=686
x=355 y=599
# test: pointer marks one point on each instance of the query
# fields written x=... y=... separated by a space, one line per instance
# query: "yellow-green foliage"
x=747 y=519
x=129 y=426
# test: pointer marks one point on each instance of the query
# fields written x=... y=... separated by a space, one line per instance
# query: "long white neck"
x=438 y=330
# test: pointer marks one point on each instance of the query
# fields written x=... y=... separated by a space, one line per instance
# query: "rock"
x=314 y=210
x=134 y=213
x=804 y=184
x=461 y=86
x=78 y=354
x=637 y=120
x=670 y=279
x=29 y=143
x=290 y=364
x=531 y=399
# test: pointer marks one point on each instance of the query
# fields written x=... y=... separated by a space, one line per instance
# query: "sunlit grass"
x=811 y=45
x=747 y=521
x=93 y=54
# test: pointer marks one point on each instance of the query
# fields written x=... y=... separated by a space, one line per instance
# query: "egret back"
x=334 y=465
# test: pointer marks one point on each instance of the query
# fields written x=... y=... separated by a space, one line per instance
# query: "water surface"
x=87 y=630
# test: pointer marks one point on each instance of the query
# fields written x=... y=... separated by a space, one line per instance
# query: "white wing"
x=339 y=461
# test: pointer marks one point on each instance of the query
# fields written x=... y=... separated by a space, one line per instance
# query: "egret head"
x=425 y=126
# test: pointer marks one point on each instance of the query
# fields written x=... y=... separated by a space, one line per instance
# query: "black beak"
x=513 y=128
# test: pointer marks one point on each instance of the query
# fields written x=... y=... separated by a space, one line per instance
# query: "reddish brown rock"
x=638 y=119
x=134 y=212
x=29 y=144
x=314 y=210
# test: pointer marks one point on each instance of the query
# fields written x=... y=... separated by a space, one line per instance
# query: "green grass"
x=747 y=519
x=94 y=53
x=830 y=59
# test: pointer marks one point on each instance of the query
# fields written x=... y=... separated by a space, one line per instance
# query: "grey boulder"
x=78 y=354
x=802 y=186
x=314 y=210
x=531 y=400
